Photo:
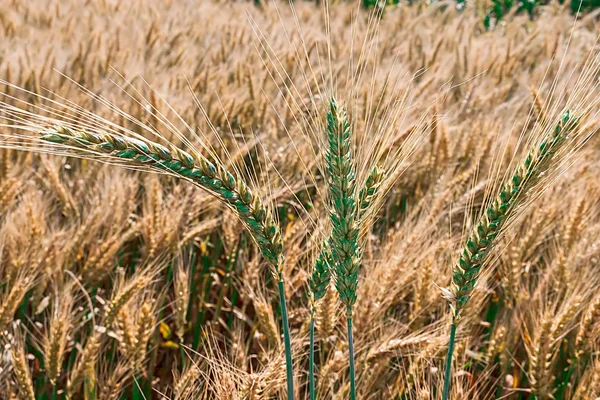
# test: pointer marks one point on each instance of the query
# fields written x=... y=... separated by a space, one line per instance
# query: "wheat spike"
x=22 y=372
x=86 y=361
x=482 y=238
x=320 y=278
x=56 y=342
x=182 y=299
x=215 y=178
x=345 y=249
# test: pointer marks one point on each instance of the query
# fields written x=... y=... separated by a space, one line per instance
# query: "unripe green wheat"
x=215 y=178
x=482 y=238
x=345 y=249
x=480 y=241
x=321 y=276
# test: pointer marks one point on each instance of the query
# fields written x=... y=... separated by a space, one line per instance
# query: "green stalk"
x=449 y=361
x=286 y=339
x=351 y=353
x=311 y=357
x=136 y=388
x=235 y=293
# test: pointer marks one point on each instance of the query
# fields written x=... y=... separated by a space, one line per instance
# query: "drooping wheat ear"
x=214 y=178
x=345 y=249
x=480 y=241
x=391 y=347
x=467 y=270
x=22 y=372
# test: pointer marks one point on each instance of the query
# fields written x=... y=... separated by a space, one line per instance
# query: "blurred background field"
x=197 y=314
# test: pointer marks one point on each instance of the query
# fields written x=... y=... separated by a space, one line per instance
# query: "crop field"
x=252 y=200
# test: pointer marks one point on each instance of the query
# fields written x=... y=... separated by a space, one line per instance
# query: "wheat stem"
x=318 y=284
x=311 y=357
x=351 y=353
x=286 y=339
x=449 y=361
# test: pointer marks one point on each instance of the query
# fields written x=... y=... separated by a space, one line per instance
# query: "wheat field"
x=213 y=199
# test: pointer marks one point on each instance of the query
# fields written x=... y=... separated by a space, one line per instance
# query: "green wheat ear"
x=214 y=178
x=482 y=238
x=321 y=276
x=369 y=191
x=343 y=242
x=345 y=249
